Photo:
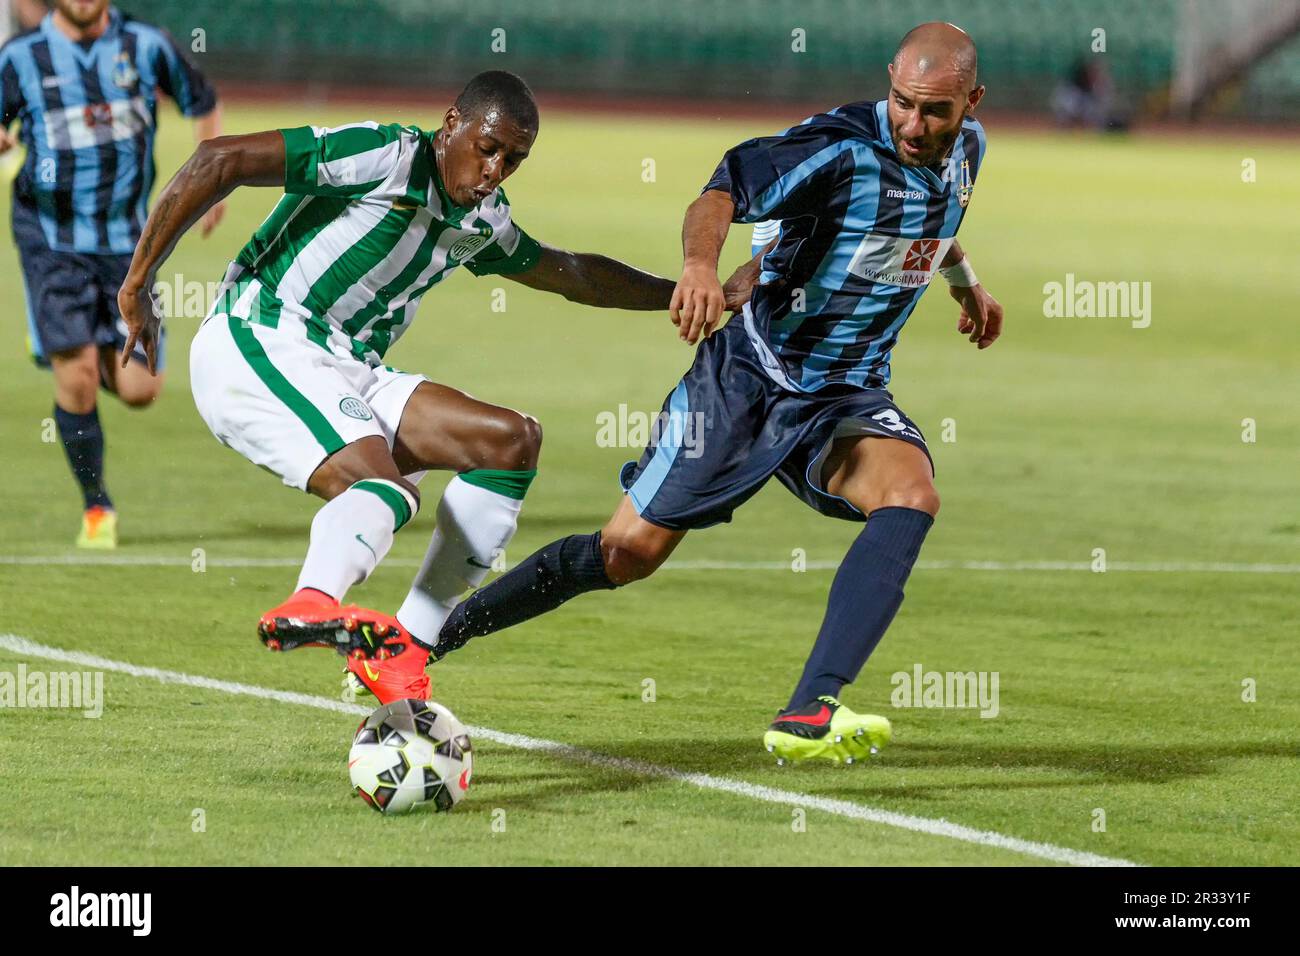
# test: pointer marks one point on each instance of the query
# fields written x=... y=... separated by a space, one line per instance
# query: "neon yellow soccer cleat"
x=98 y=529
x=828 y=730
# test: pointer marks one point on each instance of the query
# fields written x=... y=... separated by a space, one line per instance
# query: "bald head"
x=933 y=87
x=939 y=48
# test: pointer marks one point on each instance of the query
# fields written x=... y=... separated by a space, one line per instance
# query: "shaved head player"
x=869 y=198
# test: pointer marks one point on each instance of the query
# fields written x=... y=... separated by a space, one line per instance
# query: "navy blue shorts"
x=727 y=427
x=72 y=302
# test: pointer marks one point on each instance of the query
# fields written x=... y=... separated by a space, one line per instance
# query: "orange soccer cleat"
x=395 y=671
x=98 y=529
x=312 y=618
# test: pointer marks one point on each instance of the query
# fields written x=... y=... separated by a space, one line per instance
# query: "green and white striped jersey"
x=364 y=229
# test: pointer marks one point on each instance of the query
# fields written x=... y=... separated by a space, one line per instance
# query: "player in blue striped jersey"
x=865 y=202
x=83 y=86
x=862 y=252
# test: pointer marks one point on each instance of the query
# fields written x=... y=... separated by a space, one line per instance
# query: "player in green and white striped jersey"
x=287 y=368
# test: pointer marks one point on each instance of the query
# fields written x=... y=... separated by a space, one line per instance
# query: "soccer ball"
x=411 y=752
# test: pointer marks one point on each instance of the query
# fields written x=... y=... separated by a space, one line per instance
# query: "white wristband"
x=961 y=274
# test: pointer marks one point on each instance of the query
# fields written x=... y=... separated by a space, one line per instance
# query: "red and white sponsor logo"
x=79 y=127
x=906 y=263
x=920 y=254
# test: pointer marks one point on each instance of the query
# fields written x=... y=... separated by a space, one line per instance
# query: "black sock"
x=865 y=595
x=83 y=441
x=540 y=583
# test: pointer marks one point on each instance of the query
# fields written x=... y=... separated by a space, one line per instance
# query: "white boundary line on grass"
x=1166 y=567
x=843 y=808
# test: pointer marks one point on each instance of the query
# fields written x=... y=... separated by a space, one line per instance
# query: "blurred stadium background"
x=1162 y=58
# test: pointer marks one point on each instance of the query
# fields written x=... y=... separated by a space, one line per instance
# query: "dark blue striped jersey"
x=88 y=117
x=861 y=236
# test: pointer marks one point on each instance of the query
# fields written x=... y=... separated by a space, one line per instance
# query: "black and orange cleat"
x=395 y=671
x=312 y=618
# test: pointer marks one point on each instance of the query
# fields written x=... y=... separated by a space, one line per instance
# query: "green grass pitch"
x=1120 y=691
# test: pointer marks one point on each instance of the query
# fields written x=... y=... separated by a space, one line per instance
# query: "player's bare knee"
x=78 y=398
x=919 y=496
x=141 y=396
x=623 y=566
x=76 y=382
x=516 y=442
x=530 y=439
x=629 y=560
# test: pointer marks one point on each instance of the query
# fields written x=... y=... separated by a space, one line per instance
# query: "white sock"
x=474 y=525
x=352 y=533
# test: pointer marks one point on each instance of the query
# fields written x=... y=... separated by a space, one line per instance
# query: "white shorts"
x=284 y=402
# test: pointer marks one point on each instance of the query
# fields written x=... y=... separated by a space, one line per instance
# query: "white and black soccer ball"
x=411 y=752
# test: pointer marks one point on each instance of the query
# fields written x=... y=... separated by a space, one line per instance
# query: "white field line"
x=1148 y=567
x=843 y=808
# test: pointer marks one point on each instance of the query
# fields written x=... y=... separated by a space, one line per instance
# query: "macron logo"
x=103 y=909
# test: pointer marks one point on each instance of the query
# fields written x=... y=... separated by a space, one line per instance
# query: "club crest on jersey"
x=898 y=261
x=965 y=186
x=355 y=408
x=952 y=173
x=464 y=248
x=125 y=75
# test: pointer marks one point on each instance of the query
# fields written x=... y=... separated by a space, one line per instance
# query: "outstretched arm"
x=981 y=314
x=217 y=167
x=698 y=299
x=598 y=280
x=595 y=280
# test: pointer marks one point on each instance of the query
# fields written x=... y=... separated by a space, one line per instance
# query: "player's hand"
x=143 y=322
x=740 y=286
x=212 y=218
x=981 y=314
x=7 y=142
x=697 y=303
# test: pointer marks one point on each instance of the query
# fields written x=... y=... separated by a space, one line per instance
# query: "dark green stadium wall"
x=733 y=49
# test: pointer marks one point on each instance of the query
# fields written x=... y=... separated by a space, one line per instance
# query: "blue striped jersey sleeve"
x=11 y=93
x=181 y=80
x=779 y=177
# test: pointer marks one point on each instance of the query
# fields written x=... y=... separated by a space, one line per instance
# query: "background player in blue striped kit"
x=83 y=84
x=869 y=198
